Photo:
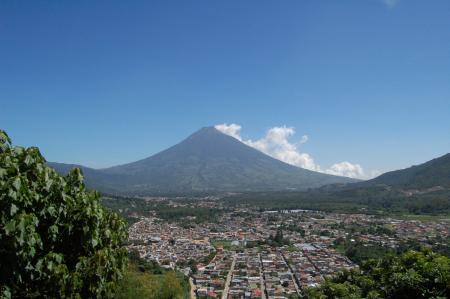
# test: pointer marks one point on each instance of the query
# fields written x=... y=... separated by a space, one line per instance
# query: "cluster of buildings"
x=278 y=279
x=210 y=279
x=246 y=277
x=168 y=244
x=420 y=230
x=249 y=273
x=267 y=272
x=311 y=264
x=232 y=256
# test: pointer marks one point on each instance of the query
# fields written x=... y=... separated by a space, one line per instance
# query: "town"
x=246 y=253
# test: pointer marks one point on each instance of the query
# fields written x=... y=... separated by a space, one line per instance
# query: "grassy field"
x=137 y=284
x=226 y=244
x=340 y=248
x=422 y=217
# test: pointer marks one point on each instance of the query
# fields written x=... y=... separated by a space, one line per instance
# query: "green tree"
x=279 y=236
x=171 y=287
x=412 y=274
x=56 y=240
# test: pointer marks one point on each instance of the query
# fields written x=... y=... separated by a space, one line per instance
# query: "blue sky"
x=108 y=82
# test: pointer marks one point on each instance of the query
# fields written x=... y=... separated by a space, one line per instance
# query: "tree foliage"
x=412 y=274
x=277 y=240
x=144 y=282
x=56 y=240
x=371 y=200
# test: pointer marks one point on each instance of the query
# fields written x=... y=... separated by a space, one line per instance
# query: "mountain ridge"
x=432 y=173
x=207 y=160
x=428 y=177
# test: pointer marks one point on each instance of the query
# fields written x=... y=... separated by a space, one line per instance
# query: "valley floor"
x=274 y=254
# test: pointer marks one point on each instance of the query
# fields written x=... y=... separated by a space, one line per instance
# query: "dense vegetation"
x=56 y=239
x=423 y=189
x=410 y=275
x=278 y=239
x=183 y=213
x=127 y=207
x=427 y=175
x=148 y=280
x=374 y=200
x=197 y=214
x=359 y=252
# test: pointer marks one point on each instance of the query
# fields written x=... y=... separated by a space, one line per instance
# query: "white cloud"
x=233 y=130
x=346 y=169
x=391 y=3
x=304 y=139
x=277 y=145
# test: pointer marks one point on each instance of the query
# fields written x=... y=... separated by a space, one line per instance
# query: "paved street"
x=262 y=282
x=288 y=269
x=292 y=273
x=229 y=276
x=193 y=288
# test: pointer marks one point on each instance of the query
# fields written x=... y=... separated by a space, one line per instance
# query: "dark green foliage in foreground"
x=410 y=275
x=442 y=245
x=56 y=240
x=143 y=265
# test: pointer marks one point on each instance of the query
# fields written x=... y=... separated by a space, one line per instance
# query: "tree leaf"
x=10 y=226
x=13 y=209
x=17 y=183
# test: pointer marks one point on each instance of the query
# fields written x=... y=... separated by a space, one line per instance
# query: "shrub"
x=412 y=274
x=56 y=240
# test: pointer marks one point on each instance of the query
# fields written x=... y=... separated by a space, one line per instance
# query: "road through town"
x=230 y=274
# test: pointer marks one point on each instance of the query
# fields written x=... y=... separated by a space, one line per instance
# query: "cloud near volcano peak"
x=276 y=143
